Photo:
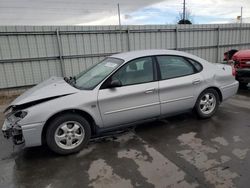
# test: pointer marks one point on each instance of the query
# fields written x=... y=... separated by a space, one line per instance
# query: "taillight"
x=233 y=71
x=225 y=57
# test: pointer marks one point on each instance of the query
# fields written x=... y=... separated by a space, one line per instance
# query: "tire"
x=68 y=134
x=243 y=85
x=207 y=103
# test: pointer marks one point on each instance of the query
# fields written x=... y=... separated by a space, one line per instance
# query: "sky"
x=133 y=12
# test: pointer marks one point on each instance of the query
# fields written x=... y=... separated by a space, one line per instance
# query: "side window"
x=197 y=65
x=135 y=72
x=174 y=66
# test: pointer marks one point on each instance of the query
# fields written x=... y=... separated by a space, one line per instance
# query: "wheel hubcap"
x=69 y=135
x=207 y=103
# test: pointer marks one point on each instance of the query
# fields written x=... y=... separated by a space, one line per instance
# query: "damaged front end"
x=11 y=128
x=15 y=113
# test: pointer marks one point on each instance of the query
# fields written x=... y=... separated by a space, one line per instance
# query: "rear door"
x=137 y=98
x=179 y=83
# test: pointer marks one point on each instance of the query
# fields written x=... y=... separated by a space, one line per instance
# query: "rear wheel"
x=243 y=85
x=68 y=133
x=207 y=103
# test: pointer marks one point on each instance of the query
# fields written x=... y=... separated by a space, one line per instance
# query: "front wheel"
x=207 y=103
x=68 y=133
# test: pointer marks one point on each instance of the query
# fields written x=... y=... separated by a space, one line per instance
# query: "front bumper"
x=6 y=131
x=14 y=132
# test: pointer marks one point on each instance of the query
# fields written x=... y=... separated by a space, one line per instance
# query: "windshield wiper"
x=71 y=81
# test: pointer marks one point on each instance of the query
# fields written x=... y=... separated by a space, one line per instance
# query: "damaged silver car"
x=122 y=90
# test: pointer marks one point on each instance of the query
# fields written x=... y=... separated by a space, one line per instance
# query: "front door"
x=137 y=98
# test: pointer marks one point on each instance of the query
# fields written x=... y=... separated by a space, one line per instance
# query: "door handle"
x=197 y=81
x=151 y=90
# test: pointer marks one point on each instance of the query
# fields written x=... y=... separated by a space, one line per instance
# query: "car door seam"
x=178 y=99
x=131 y=108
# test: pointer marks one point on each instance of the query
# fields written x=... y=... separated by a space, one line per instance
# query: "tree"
x=187 y=20
x=182 y=21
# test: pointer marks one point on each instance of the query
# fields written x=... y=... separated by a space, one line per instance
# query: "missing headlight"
x=20 y=114
x=16 y=116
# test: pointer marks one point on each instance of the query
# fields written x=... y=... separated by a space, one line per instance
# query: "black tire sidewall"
x=243 y=85
x=55 y=123
x=197 y=105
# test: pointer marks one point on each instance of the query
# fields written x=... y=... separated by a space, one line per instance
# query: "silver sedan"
x=122 y=90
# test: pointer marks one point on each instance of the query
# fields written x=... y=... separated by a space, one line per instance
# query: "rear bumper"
x=229 y=90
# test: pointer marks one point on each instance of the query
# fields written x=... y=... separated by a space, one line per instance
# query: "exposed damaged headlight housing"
x=8 y=111
x=21 y=114
x=16 y=116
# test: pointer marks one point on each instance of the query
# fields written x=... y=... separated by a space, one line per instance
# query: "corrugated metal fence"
x=30 y=54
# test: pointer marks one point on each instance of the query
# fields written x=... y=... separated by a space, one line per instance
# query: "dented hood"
x=51 y=88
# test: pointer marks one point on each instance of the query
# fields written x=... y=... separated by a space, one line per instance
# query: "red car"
x=241 y=62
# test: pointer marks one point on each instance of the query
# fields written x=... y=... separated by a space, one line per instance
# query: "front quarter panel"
x=32 y=124
x=84 y=100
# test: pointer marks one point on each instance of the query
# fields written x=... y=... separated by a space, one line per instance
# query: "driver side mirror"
x=115 y=83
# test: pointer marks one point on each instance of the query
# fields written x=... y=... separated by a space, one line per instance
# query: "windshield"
x=91 y=78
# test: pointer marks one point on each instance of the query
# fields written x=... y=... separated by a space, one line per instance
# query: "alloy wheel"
x=69 y=135
x=207 y=103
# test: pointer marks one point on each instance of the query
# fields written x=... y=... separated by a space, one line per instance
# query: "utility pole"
x=240 y=35
x=184 y=10
x=119 y=14
x=120 y=25
x=241 y=9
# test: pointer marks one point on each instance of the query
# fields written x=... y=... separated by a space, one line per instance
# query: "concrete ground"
x=180 y=151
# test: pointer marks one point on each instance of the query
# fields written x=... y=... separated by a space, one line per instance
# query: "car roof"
x=127 y=56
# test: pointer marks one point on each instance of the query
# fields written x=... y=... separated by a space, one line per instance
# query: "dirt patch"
x=8 y=95
x=7 y=99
